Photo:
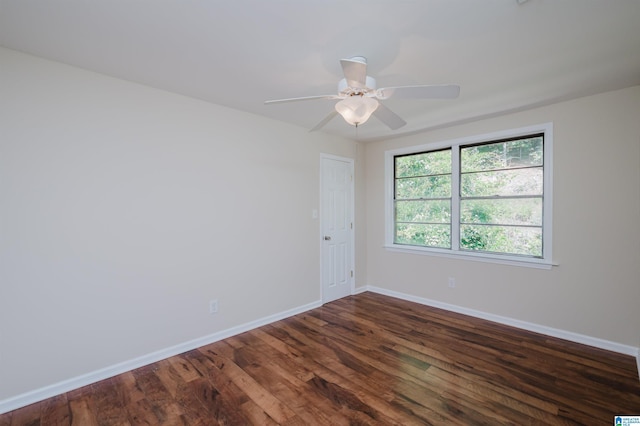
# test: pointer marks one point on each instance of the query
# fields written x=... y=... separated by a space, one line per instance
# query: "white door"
x=337 y=227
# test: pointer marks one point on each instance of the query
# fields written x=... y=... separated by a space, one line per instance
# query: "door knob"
x=327 y=238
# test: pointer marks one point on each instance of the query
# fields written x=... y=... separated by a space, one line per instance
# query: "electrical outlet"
x=452 y=282
x=213 y=306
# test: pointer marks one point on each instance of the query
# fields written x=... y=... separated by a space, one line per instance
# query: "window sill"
x=476 y=257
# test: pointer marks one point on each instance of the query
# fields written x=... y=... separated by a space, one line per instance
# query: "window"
x=486 y=197
x=423 y=199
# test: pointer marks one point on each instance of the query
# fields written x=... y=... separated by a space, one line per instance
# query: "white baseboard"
x=37 y=395
x=548 y=331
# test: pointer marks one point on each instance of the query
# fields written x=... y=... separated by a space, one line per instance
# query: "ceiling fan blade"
x=388 y=117
x=324 y=121
x=304 y=98
x=443 y=91
x=355 y=71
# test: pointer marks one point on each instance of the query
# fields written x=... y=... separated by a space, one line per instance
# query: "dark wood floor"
x=366 y=359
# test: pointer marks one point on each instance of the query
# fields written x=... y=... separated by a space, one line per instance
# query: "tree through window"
x=501 y=196
x=484 y=197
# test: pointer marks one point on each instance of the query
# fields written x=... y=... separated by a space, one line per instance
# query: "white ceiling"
x=506 y=55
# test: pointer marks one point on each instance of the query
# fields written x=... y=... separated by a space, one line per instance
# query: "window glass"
x=501 y=188
x=422 y=202
x=486 y=197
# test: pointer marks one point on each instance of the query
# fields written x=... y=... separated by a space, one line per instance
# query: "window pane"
x=503 y=183
x=423 y=235
x=430 y=211
x=502 y=239
x=519 y=211
x=423 y=187
x=502 y=155
x=426 y=164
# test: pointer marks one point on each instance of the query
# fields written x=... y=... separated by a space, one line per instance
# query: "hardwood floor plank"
x=165 y=409
x=231 y=393
x=27 y=416
x=184 y=368
x=170 y=378
x=256 y=415
x=141 y=412
x=131 y=392
x=82 y=409
x=217 y=407
x=291 y=364
x=366 y=359
x=476 y=395
x=55 y=411
x=271 y=405
x=289 y=383
x=409 y=380
x=329 y=367
x=109 y=403
x=5 y=420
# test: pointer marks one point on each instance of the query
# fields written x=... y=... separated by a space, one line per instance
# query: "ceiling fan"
x=359 y=97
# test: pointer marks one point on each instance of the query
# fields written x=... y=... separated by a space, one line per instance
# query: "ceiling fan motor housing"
x=369 y=88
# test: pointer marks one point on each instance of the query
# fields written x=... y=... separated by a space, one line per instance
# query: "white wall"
x=125 y=209
x=595 y=290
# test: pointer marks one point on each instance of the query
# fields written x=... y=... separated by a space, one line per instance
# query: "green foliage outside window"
x=500 y=197
x=423 y=199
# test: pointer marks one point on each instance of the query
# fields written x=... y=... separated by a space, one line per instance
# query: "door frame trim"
x=351 y=162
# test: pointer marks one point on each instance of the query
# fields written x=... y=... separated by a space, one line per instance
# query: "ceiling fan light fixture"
x=356 y=109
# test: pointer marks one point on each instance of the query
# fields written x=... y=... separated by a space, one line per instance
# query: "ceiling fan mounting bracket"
x=360 y=59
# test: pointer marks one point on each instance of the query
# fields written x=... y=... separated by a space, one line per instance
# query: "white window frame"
x=544 y=262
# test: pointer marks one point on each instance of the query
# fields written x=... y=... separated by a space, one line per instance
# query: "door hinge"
x=351 y=225
x=351 y=274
